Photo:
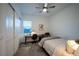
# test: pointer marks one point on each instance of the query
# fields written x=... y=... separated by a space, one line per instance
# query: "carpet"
x=30 y=49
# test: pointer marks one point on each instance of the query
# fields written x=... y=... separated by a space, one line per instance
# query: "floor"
x=30 y=49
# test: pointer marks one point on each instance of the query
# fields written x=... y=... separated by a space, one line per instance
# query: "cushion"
x=71 y=46
x=69 y=49
x=77 y=52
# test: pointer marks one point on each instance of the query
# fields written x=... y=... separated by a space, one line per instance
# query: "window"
x=27 y=26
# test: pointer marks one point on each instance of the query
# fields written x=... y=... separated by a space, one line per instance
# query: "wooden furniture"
x=31 y=39
x=36 y=38
x=26 y=38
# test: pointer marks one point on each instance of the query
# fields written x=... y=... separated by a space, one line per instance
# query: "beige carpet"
x=30 y=50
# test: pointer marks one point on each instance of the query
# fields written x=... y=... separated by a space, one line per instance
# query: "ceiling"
x=30 y=8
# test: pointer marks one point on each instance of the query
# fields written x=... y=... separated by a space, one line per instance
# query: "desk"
x=29 y=38
x=26 y=38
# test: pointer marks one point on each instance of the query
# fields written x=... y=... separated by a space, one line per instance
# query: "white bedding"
x=43 y=40
x=56 y=47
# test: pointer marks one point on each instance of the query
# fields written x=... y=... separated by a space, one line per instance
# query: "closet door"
x=10 y=30
x=17 y=32
x=1 y=36
x=7 y=30
x=9 y=42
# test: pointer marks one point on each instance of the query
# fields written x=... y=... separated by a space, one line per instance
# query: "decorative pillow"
x=77 y=52
x=69 y=49
x=71 y=46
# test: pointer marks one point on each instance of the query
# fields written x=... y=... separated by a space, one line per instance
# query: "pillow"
x=69 y=49
x=76 y=53
x=71 y=46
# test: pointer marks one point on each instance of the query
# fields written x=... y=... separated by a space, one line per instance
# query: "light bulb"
x=44 y=10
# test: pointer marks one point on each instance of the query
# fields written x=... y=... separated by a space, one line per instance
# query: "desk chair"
x=34 y=37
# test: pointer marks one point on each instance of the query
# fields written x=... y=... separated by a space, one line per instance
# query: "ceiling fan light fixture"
x=44 y=10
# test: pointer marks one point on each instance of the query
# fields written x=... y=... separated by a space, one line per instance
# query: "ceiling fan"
x=45 y=7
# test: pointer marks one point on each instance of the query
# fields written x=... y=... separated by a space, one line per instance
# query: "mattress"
x=56 y=47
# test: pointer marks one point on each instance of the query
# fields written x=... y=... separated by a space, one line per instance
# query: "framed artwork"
x=41 y=27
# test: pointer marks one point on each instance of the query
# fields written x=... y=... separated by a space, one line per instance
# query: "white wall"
x=66 y=23
x=36 y=20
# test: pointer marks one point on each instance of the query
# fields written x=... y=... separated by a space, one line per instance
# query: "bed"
x=54 y=47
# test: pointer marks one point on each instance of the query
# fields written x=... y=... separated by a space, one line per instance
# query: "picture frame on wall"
x=41 y=27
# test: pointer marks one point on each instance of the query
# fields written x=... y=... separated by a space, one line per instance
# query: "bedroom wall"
x=36 y=20
x=66 y=23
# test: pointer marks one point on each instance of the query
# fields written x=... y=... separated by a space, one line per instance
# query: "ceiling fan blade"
x=52 y=7
x=38 y=7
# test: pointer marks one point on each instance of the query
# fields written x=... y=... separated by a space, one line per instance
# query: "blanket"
x=56 y=47
x=43 y=40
